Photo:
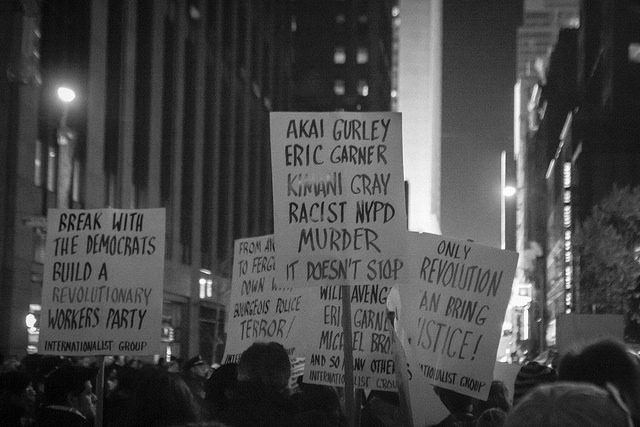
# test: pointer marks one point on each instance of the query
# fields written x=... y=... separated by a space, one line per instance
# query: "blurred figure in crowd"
x=498 y=398
x=318 y=405
x=531 y=375
x=17 y=399
x=492 y=417
x=382 y=409
x=262 y=395
x=568 y=405
x=220 y=389
x=460 y=408
x=196 y=372
x=69 y=397
x=159 y=399
x=606 y=362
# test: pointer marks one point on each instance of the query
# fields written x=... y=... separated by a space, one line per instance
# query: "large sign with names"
x=454 y=309
x=339 y=202
x=102 y=289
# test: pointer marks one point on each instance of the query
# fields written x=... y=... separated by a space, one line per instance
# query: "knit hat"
x=194 y=361
x=531 y=375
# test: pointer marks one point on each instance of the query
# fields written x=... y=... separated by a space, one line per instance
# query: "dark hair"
x=569 y=405
x=14 y=382
x=606 y=361
x=531 y=375
x=265 y=363
x=160 y=398
x=498 y=398
x=64 y=380
x=220 y=386
x=454 y=401
x=492 y=417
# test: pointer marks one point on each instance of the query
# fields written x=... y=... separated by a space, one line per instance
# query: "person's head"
x=568 y=405
x=17 y=386
x=198 y=367
x=161 y=398
x=492 y=417
x=531 y=375
x=498 y=398
x=603 y=362
x=267 y=364
x=220 y=386
x=71 y=386
x=319 y=398
x=455 y=402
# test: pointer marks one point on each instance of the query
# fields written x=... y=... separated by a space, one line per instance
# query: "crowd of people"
x=597 y=386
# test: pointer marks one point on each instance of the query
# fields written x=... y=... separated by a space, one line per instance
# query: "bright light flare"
x=66 y=94
x=509 y=191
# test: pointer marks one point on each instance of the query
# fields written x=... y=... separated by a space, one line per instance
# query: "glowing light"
x=509 y=191
x=30 y=320
x=66 y=94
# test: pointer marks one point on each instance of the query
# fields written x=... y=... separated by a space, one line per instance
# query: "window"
x=38 y=164
x=362 y=57
x=339 y=55
x=363 y=88
x=634 y=52
x=338 y=87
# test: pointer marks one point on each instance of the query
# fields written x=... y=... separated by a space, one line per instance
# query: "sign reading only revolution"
x=453 y=315
x=261 y=310
x=339 y=205
x=103 y=282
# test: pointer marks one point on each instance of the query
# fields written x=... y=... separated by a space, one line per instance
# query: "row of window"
x=340 y=55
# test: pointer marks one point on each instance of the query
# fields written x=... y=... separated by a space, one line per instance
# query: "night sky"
x=479 y=71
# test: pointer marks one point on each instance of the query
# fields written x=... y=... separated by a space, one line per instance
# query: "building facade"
x=584 y=129
x=543 y=20
x=171 y=110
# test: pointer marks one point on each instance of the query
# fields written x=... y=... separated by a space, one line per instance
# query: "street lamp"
x=507 y=192
x=66 y=95
x=66 y=145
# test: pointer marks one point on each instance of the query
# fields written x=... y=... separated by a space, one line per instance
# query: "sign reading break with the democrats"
x=453 y=316
x=338 y=192
x=260 y=309
x=102 y=285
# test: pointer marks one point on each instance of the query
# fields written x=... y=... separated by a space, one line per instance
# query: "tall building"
x=381 y=55
x=343 y=55
x=543 y=20
x=583 y=117
x=419 y=98
x=171 y=110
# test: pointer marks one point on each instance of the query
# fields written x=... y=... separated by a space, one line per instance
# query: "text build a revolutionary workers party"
x=102 y=288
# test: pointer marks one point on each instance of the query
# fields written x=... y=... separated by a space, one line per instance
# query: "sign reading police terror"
x=102 y=288
x=339 y=205
x=453 y=315
x=261 y=310
x=373 y=364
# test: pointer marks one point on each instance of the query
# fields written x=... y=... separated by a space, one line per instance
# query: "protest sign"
x=339 y=203
x=453 y=313
x=102 y=288
x=574 y=331
x=373 y=364
x=260 y=310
